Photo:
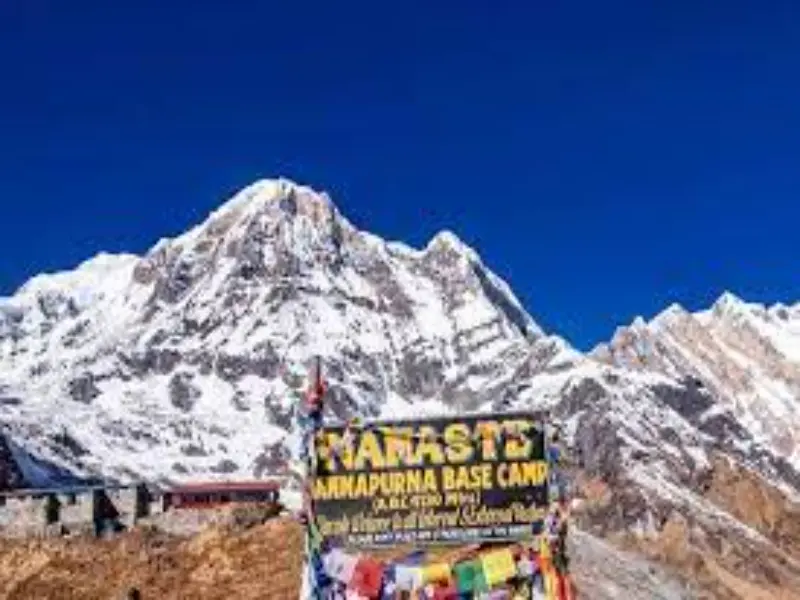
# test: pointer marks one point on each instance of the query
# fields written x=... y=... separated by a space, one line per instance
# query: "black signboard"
x=432 y=481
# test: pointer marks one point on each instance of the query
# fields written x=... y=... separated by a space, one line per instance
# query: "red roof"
x=209 y=486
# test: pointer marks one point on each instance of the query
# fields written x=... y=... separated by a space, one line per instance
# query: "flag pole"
x=310 y=421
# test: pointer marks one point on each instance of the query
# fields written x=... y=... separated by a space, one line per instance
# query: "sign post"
x=432 y=481
x=310 y=422
x=484 y=479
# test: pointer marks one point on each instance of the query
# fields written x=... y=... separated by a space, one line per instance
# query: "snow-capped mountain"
x=179 y=365
x=171 y=366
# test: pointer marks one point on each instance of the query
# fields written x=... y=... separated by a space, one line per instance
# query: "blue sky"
x=606 y=158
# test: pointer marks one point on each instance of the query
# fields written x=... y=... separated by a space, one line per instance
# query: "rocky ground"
x=221 y=562
x=260 y=562
x=758 y=558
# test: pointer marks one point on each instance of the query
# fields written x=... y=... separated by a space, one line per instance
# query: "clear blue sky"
x=606 y=158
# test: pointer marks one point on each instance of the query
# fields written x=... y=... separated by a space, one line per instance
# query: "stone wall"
x=22 y=515
x=74 y=511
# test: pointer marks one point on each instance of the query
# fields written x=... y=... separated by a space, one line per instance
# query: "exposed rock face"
x=10 y=474
x=747 y=356
x=83 y=389
x=178 y=365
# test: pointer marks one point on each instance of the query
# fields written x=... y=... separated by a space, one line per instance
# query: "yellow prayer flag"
x=498 y=566
x=550 y=584
x=544 y=549
x=437 y=572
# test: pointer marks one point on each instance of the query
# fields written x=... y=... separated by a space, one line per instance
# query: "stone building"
x=74 y=510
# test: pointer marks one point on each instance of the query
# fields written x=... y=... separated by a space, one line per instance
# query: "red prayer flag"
x=445 y=593
x=367 y=577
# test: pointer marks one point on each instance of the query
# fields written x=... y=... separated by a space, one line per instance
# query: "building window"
x=52 y=508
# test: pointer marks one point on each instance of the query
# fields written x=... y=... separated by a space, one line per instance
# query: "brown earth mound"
x=219 y=563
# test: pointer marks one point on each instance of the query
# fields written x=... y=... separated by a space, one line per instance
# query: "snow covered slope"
x=747 y=356
x=171 y=366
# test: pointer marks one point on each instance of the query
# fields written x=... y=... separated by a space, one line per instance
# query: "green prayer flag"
x=470 y=577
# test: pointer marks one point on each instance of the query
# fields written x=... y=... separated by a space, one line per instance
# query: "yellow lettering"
x=463 y=480
x=331 y=446
x=413 y=482
x=521 y=474
x=485 y=476
x=534 y=473
x=502 y=475
x=361 y=486
x=428 y=448
x=448 y=478
x=374 y=483
x=488 y=431
x=518 y=445
x=368 y=450
x=344 y=485
x=398 y=445
x=430 y=482
x=320 y=489
x=398 y=483
x=459 y=443
x=473 y=477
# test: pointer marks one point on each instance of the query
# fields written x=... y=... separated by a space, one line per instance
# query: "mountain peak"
x=273 y=193
x=448 y=240
x=667 y=316
x=728 y=302
x=271 y=200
